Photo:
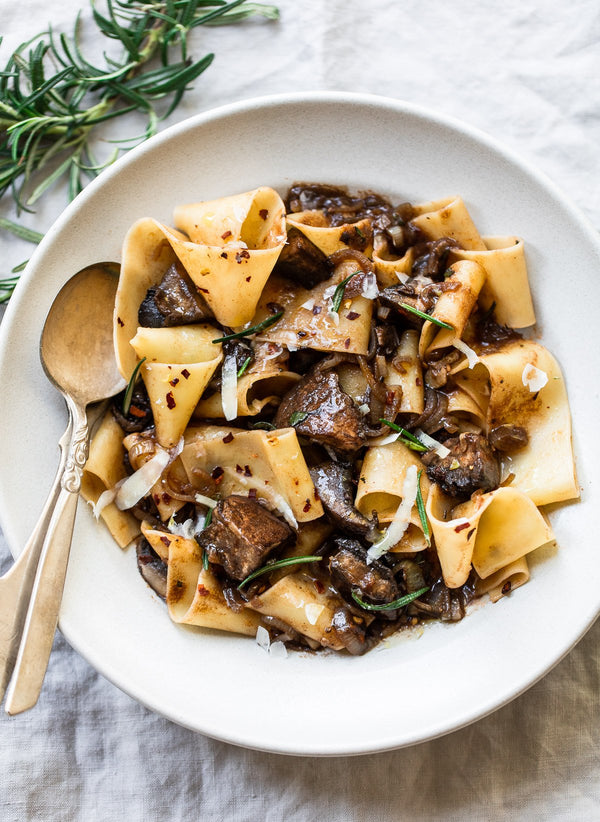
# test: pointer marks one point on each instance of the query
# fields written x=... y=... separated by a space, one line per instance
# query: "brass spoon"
x=76 y=350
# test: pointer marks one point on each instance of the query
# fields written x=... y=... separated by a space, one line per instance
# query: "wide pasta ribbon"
x=489 y=532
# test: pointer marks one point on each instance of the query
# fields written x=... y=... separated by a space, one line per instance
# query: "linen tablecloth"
x=528 y=73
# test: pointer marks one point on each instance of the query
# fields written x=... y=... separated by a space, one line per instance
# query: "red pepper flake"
x=225 y=235
x=244 y=254
x=507 y=587
x=252 y=493
x=224 y=255
x=418 y=381
x=185 y=373
x=166 y=498
x=296 y=482
x=239 y=469
x=174 y=381
x=248 y=278
x=352 y=315
x=156 y=498
x=470 y=534
x=247 y=471
x=203 y=290
x=317 y=310
x=170 y=400
x=120 y=321
x=462 y=527
x=217 y=474
x=316 y=496
x=320 y=588
x=136 y=412
x=263 y=213
x=166 y=541
x=347 y=342
x=307 y=507
x=389 y=397
x=202 y=590
x=228 y=437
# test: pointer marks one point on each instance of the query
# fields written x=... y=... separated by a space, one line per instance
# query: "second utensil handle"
x=44 y=607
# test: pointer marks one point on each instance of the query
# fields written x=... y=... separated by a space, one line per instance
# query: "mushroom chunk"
x=508 y=438
x=350 y=632
x=349 y=570
x=151 y=567
x=333 y=481
x=431 y=258
x=470 y=465
x=326 y=414
x=302 y=261
x=139 y=417
x=175 y=301
x=242 y=535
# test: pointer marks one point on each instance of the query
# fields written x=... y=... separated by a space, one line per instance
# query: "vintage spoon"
x=76 y=350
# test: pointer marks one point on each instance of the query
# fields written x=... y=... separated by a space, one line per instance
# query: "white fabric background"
x=527 y=72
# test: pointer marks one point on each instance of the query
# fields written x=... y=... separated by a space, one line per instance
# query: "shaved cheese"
x=534 y=378
x=229 y=387
x=434 y=445
x=471 y=356
x=140 y=484
x=401 y=520
x=202 y=500
x=386 y=440
x=278 y=650
x=404 y=278
x=369 y=287
x=309 y=304
x=186 y=529
x=263 y=640
x=364 y=408
x=105 y=498
x=313 y=612
x=333 y=315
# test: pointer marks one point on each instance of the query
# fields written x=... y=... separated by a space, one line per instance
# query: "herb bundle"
x=52 y=98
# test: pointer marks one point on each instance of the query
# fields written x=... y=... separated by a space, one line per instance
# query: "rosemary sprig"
x=53 y=98
x=390 y=606
x=254 y=329
x=131 y=386
x=421 y=510
x=274 y=564
x=425 y=316
x=338 y=294
x=405 y=437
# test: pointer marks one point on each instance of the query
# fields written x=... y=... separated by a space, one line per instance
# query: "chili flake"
x=170 y=400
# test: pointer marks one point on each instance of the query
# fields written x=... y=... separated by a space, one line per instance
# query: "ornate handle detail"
x=77 y=457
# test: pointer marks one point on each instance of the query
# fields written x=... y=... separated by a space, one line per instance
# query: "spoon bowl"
x=76 y=347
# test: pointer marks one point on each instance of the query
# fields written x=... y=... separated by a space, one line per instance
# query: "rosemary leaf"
x=131 y=386
x=338 y=294
x=425 y=316
x=421 y=510
x=274 y=564
x=390 y=606
x=252 y=330
x=405 y=437
x=243 y=368
x=20 y=231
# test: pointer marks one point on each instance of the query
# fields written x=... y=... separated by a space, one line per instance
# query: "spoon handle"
x=42 y=615
x=16 y=585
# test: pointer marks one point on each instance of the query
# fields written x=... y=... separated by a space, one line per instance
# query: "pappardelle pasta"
x=337 y=423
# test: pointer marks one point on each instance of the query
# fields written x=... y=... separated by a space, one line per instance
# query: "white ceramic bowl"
x=225 y=686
